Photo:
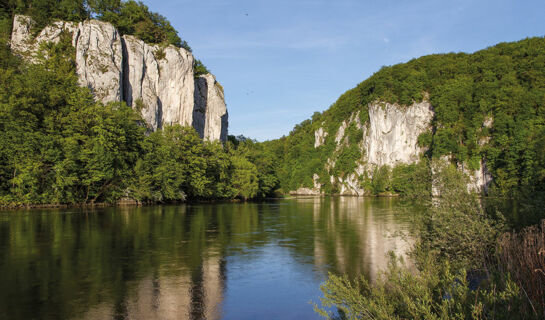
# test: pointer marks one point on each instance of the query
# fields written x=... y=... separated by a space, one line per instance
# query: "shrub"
x=437 y=291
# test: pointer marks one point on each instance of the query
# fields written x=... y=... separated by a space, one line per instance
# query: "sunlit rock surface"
x=156 y=80
x=390 y=137
x=99 y=55
x=393 y=132
x=159 y=81
x=319 y=137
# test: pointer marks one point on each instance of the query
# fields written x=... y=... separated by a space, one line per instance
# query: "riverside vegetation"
x=466 y=267
x=470 y=261
x=59 y=145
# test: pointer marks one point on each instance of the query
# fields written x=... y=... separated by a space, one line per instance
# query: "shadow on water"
x=211 y=261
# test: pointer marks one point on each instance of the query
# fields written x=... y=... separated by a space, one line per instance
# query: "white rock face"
x=350 y=186
x=99 y=59
x=393 y=132
x=479 y=180
x=340 y=133
x=210 y=117
x=21 y=39
x=141 y=76
x=162 y=80
x=176 y=86
x=389 y=138
x=159 y=81
x=319 y=137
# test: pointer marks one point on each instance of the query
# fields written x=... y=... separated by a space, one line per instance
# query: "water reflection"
x=217 y=261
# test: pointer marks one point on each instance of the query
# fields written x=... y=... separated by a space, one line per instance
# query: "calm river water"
x=207 y=261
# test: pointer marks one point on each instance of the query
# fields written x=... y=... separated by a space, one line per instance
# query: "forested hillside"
x=60 y=146
x=488 y=106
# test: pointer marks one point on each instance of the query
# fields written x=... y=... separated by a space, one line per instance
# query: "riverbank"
x=134 y=203
x=470 y=262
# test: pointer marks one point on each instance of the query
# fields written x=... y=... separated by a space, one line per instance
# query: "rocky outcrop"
x=99 y=59
x=156 y=80
x=392 y=137
x=99 y=56
x=141 y=75
x=350 y=185
x=479 y=180
x=159 y=81
x=21 y=34
x=315 y=191
x=210 y=117
x=319 y=137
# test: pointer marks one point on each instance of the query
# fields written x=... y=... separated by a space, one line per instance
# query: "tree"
x=244 y=178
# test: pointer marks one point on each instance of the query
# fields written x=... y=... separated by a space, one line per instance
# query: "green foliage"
x=505 y=83
x=381 y=180
x=412 y=181
x=57 y=145
x=173 y=166
x=425 y=139
x=455 y=227
x=132 y=17
x=347 y=160
x=244 y=178
x=129 y=17
x=455 y=278
x=264 y=162
x=43 y=12
x=438 y=291
x=199 y=68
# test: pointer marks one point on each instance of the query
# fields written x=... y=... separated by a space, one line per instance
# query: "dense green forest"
x=505 y=83
x=129 y=17
x=55 y=146
x=58 y=145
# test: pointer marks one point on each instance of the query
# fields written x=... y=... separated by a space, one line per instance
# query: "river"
x=201 y=261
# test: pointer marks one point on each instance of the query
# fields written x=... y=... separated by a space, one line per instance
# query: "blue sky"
x=280 y=61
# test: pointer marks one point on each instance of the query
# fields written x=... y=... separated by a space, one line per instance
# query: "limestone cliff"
x=210 y=111
x=161 y=79
x=157 y=80
x=390 y=138
x=393 y=132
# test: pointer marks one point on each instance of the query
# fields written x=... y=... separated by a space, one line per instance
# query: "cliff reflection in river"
x=206 y=261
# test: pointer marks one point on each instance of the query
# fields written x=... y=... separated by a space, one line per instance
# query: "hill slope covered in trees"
x=59 y=145
x=489 y=106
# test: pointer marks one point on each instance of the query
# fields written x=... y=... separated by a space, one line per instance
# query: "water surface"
x=206 y=261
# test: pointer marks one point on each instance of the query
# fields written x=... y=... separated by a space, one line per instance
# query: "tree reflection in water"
x=187 y=262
